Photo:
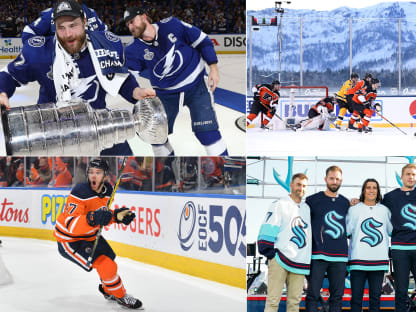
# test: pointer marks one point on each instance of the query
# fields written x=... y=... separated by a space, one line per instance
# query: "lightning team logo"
x=298 y=226
x=409 y=213
x=169 y=64
x=336 y=228
x=369 y=227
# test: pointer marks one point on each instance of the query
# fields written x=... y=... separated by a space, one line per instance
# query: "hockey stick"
x=390 y=123
x=110 y=201
x=275 y=114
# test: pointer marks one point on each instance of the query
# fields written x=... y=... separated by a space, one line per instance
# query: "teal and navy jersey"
x=370 y=228
x=329 y=235
x=402 y=205
x=286 y=235
x=35 y=63
x=175 y=60
x=45 y=25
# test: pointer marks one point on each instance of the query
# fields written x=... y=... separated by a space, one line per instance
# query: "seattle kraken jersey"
x=402 y=205
x=35 y=62
x=370 y=228
x=329 y=237
x=286 y=235
x=45 y=25
x=175 y=59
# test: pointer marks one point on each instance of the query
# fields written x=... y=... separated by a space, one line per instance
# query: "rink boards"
x=197 y=234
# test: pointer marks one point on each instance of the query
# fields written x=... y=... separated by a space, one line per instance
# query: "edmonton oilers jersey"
x=45 y=25
x=402 y=205
x=370 y=228
x=329 y=237
x=35 y=62
x=286 y=235
x=175 y=60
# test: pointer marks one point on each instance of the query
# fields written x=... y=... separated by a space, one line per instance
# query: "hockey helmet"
x=98 y=163
x=275 y=82
x=354 y=75
x=374 y=80
x=368 y=75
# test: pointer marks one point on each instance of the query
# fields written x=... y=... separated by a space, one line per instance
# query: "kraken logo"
x=374 y=237
x=336 y=229
x=409 y=213
x=298 y=228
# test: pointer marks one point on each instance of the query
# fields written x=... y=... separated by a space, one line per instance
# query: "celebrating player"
x=402 y=203
x=358 y=88
x=266 y=97
x=363 y=105
x=76 y=63
x=329 y=242
x=173 y=54
x=369 y=225
x=285 y=239
x=341 y=98
x=321 y=116
x=77 y=227
x=45 y=24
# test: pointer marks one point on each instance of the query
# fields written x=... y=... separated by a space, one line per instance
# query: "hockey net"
x=294 y=104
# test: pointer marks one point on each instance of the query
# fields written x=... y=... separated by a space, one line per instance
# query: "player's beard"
x=334 y=187
x=139 y=30
x=73 y=48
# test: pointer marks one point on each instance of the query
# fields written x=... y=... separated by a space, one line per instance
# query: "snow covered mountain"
x=326 y=39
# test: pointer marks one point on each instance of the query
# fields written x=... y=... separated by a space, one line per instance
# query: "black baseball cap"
x=131 y=13
x=68 y=8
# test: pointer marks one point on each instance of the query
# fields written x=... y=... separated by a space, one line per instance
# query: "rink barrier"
x=399 y=110
x=196 y=234
x=223 y=44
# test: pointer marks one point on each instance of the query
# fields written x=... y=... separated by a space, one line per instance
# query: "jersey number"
x=71 y=207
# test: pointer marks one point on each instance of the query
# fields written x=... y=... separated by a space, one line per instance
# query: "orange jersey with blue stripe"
x=72 y=224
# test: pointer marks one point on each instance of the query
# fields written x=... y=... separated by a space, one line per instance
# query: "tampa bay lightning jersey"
x=175 y=60
x=286 y=235
x=402 y=205
x=45 y=25
x=35 y=62
x=329 y=237
x=370 y=228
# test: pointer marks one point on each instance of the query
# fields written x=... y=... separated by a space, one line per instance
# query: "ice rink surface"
x=232 y=77
x=44 y=281
x=382 y=141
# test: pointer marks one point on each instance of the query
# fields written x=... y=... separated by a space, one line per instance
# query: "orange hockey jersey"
x=71 y=224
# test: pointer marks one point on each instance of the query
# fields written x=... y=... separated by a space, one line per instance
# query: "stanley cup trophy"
x=74 y=128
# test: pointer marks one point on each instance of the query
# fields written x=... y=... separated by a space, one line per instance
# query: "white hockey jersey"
x=286 y=234
x=370 y=228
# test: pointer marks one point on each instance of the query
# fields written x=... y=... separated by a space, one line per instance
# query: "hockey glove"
x=99 y=217
x=377 y=107
x=123 y=215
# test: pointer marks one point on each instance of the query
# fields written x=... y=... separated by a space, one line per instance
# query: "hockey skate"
x=338 y=127
x=127 y=301
x=351 y=127
x=106 y=296
x=365 y=129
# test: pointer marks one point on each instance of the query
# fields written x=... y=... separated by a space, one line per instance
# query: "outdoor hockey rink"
x=44 y=281
x=232 y=78
x=382 y=141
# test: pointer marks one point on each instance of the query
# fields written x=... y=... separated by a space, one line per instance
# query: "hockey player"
x=73 y=64
x=321 y=116
x=77 y=227
x=363 y=105
x=173 y=54
x=329 y=242
x=266 y=98
x=285 y=239
x=402 y=203
x=341 y=98
x=369 y=225
x=45 y=24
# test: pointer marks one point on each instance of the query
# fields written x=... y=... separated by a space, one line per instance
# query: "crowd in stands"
x=171 y=174
x=213 y=17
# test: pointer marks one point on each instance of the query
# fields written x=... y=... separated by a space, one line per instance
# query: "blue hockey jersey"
x=35 y=63
x=175 y=60
x=329 y=235
x=402 y=205
x=45 y=26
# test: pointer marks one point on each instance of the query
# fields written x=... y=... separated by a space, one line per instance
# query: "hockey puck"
x=240 y=123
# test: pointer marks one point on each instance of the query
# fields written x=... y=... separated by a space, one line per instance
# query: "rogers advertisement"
x=207 y=228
